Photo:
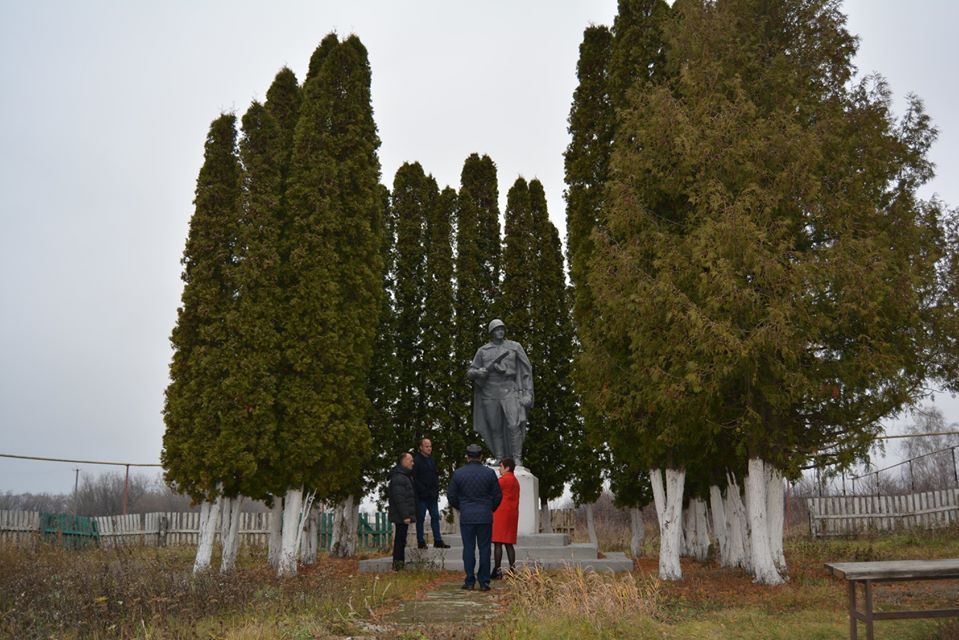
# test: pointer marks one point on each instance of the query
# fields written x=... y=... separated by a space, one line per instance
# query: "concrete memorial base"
x=543 y=550
x=528 y=501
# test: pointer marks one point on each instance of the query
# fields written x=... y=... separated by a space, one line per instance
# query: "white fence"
x=153 y=529
x=852 y=515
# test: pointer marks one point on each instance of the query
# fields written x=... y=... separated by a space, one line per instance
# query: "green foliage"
x=476 y=269
x=764 y=264
x=381 y=383
x=591 y=127
x=413 y=198
x=334 y=275
x=441 y=373
x=194 y=407
x=554 y=446
x=519 y=259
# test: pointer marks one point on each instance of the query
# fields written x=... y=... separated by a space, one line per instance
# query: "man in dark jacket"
x=427 y=486
x=402 y=508
x=475 y=492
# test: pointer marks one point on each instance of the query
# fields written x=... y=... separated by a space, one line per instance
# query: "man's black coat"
x=425 y=481
x=401 y=495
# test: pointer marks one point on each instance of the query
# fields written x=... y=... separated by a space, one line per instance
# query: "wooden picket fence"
x=853 y=515
x=21 y=528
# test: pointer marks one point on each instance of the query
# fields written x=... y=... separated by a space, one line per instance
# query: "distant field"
x=151 y=594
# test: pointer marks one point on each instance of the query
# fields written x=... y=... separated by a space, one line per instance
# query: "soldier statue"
x=502 y=393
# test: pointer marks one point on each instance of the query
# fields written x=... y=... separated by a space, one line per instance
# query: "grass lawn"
x=151 y=594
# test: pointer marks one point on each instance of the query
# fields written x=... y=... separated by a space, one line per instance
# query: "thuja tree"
x=555 y=428
x=413 y=197
x=442 y=374
x=335 y=271
x=765 y=259
x=519 y=260
x=476 y=270
x=196 y=406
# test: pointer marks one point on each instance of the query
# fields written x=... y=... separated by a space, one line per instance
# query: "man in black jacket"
x=402 y=509
x=475 y=492
x=427 y=486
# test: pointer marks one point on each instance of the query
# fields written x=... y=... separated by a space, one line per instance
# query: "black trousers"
x=399 y=541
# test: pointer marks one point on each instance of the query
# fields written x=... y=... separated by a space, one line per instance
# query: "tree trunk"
x=718 y=511
x=209 y=519
x=737 y=527
x=775 y=512
x=638 y=529
x=292 y=522
x=310 y=541
x=669 y=507
x=230 y=532
x=700 y=542
x=763 y=568
x=226 y=510
x=276 y=532
x=545 y=517
x=591 y=526
x=346 y=522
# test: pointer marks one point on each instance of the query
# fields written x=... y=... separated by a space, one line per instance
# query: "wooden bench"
x=867 y=573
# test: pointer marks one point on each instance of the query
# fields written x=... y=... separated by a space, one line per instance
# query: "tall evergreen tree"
x=476 y=268
x=335 y=271
x=413 y=197
x=762 y=221
x=553 y=446
x=382 y=383
x=442 y=373
x=195 y=402
x=519 y=262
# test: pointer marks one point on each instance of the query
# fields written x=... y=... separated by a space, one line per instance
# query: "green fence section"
x=375 y=530
x=73 y=532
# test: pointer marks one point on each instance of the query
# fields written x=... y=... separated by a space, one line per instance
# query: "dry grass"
x=136 y=592
x=588 y=595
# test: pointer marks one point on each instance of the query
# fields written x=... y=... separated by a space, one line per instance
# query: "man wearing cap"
x=502 y=393
x=475 y=492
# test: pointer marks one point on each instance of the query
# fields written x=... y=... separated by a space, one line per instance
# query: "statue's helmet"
x=495 y=324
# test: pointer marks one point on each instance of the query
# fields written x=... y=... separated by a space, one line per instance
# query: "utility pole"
x=76 y=484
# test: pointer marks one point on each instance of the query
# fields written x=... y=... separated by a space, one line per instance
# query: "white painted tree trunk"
x=591 y=525
x=638 y=529
x=737 y=527
x=763 y=568
x=209 y=519
x=310 y=542
x=231 y=526
x=346 y=522
x=545 y=517
x=775 y=512
x=292 y=523
x=669 y=507
x=276 y=532
x=718 y=511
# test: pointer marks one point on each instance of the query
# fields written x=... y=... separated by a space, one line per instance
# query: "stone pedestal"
x=528 y=501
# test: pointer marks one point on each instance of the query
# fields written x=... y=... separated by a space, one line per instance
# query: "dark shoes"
x=420 y=545
x=496 y=575
x=468 y=587
x=398 y=565
x=484 y=587
x=439 y=545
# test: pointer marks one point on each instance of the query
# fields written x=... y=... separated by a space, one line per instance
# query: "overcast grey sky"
x=104 y=111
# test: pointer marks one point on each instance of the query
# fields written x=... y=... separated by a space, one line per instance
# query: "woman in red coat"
x=506 y=517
